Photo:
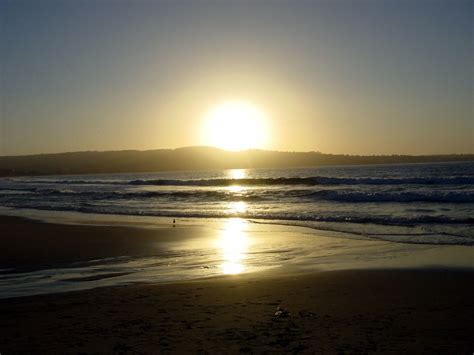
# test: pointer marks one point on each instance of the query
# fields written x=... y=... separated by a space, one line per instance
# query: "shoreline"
x=43 y=243
x=40 y=257
x=387 y=302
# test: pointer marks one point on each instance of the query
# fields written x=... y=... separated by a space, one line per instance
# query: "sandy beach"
x=331 y=312
x=33 y=245
x=382 y=310
x=227 y=177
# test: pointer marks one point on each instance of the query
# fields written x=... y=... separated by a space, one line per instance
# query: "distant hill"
x=192 y=158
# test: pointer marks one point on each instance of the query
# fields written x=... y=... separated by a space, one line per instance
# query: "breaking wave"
x=266 y=195
x=309 y=181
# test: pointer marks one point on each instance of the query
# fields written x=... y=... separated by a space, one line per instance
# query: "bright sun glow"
x=235 y=125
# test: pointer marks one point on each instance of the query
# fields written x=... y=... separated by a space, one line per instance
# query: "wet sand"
x=363 y=311
x=30 y=244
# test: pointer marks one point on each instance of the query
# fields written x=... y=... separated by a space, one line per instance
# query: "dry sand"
x=330 y=312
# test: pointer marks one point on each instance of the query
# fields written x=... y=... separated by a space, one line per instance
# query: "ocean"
x=324 y=218
x=411 y=203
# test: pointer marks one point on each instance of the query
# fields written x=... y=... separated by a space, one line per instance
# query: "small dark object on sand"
x=282 y=313
x=174 y=222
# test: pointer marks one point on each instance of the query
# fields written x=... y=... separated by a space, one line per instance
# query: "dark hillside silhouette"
x=192 y=158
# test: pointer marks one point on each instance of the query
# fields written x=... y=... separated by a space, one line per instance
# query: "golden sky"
x=355 y=77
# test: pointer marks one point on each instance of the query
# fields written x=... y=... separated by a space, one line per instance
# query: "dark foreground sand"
x=377 y=311
x=332 y=312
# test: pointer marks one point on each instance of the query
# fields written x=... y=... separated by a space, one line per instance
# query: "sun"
x=235 y=125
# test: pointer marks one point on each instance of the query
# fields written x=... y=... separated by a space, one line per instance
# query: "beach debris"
x=282 y=312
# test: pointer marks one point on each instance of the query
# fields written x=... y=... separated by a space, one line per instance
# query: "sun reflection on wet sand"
x=233 y=243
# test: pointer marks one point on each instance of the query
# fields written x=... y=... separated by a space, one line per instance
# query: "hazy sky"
x=356 y=77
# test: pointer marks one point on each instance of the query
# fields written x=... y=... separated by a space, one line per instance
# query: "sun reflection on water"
x=237 y=207
x=237 y=173
x=235 y=188
x=233 y=243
